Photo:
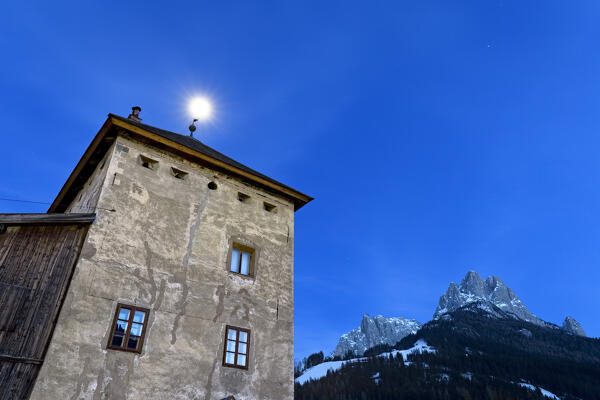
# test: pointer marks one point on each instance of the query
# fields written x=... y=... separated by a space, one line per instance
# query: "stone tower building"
x=180 y=285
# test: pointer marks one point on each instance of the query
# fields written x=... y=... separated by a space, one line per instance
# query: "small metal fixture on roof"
x=135 y=113
x=192 y=127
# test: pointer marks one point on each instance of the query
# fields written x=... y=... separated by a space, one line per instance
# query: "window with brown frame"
x=128 y=329
x=242 y=259
x=237 y=347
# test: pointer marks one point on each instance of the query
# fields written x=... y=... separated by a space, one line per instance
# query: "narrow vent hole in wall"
x=179 y=174
x=212 y=186
x=269 y=207
x=243 y=197
x=147 y=162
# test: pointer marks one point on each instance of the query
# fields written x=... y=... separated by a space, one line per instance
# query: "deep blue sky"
x=435 y=137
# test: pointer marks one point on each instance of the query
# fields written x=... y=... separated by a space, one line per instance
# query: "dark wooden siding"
x=36 y=264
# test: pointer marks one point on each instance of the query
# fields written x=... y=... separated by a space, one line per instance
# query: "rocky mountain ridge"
x=373 y=331
x=490 y=295
x=572 y=326
x=477 y=351
x=493 y=291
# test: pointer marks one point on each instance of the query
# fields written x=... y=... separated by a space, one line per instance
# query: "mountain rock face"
x=374 y=331
x=572 y=326
x=474 y=289
x=494 y=354
x=490 y=296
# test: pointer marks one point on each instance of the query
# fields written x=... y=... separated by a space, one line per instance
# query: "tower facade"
x=183 y=288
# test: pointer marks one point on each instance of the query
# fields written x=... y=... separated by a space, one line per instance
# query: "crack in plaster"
x=208 y=391
x=220 y=293
x=81 y=380
x=149 y=258
x=181 y=277
x=161 y=295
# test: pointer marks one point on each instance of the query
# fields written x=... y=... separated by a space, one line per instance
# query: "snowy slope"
x=319 y=371
x=544 y=391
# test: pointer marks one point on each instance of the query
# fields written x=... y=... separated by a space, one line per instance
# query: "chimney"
x=135 y=114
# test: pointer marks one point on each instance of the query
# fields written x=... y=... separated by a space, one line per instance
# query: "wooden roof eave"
x=100 y=137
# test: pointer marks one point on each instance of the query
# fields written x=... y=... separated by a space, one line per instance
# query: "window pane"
x=235 y=260
x=243 y=337
x=117 y=340
x=231 y=345
x=136 y=329
x=133 y=342
x=139 y=316
x=121 y=326
x=242 y=348
x=124 y=314
x=229 y=358
x=241 y=360
x=245 y=263
x=231 y=334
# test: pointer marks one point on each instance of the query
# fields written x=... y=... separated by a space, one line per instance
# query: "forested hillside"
x=481 y=353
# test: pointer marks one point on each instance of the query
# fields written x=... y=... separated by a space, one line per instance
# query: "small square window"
x=269 y=207
x=147 y=162
x=129 y=328
x=242 y=259
x=179 y=174
x=244 y=198
x=237 y=347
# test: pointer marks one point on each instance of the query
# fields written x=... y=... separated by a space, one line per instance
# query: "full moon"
x=200 y=108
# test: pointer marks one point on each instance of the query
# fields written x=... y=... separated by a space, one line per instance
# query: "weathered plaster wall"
x=165 y=248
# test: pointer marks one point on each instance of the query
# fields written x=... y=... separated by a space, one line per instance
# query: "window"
x=242 y=259
x=177 y=173
x=268 y=207
x=237 y=347
x=129 y=328
x=148 y=162
x=243 y=197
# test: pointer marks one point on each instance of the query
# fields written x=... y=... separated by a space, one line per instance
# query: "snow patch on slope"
x=320 y=370
x=544 y=391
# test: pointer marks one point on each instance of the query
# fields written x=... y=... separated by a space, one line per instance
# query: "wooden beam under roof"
x=46 y=219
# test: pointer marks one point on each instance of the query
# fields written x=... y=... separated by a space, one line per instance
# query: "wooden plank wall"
x=36 y=264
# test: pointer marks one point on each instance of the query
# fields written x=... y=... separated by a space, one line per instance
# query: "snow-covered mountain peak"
x=493 y=290
x=491 y=296
x=373 y=331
